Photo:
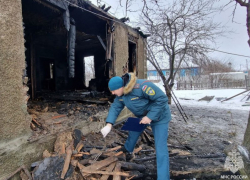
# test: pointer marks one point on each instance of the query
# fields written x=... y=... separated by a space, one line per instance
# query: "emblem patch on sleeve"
x=144 y=87
x=137 y=86
x=150 y=91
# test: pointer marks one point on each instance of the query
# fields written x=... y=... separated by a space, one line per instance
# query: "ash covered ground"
x=197 y=149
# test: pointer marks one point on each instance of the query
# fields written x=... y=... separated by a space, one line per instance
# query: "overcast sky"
x=234 y=43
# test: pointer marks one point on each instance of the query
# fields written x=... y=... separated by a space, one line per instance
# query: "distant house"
x=182 y=74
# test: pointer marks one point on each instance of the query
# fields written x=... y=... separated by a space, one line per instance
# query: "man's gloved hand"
x=145 y=120
x=106 y=130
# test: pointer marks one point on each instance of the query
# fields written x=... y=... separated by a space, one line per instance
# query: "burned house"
x=42 y=51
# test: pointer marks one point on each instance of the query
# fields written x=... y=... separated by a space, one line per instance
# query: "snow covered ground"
x=191 y=97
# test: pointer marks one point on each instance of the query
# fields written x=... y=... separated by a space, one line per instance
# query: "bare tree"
x=182 y=30
x=129 y=3
x=246 y=4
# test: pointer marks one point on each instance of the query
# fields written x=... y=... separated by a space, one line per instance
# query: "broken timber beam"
x=98 y=165
x=137 y=150
x=106 y=172
x=132 y=166
x=117 y=169
x=146 y=159
x=109 y=168
x=234 y=96
x=67 y=160
x=120 y=133
x=148 y=138
x=115 y=148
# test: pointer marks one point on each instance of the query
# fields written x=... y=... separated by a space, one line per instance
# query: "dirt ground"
x=209 y=132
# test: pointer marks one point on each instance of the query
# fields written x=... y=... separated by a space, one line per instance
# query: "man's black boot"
x=129 y=155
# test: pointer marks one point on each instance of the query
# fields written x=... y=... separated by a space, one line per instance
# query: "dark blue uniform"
x=142 y=98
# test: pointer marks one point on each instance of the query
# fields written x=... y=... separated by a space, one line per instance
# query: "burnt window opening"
x=132 y=60
x=89 y=67
x=45 y=75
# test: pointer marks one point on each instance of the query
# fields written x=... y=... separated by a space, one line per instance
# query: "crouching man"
x=146 y=101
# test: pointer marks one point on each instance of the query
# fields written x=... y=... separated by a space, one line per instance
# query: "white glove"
x=106 y=130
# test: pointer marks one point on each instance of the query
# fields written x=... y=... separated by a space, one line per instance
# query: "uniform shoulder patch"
x=144 y=87
x=136 y=86
x=150 y=91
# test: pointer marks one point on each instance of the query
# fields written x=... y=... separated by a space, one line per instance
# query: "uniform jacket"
x=142 y=98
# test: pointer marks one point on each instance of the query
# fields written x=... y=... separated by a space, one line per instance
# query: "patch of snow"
x=191 y=97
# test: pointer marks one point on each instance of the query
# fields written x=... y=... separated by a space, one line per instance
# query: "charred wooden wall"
x=120 y=49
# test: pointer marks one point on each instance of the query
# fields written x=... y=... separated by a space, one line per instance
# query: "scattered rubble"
x=50 y=116
x=197 y=149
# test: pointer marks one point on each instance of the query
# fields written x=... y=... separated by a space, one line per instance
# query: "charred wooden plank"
x=117 y=169
x=79 y=146
x=69 y=150
x=109 y=168
x=66 y=19
x=143 y=138
x=106 y=172
x=146 y=158
x=120 y=133
x=71 y=49
x=84 y=161
x=148 y=138
x=149 y=132
x=148 y=150
x=78 y=143
x=132 y=166
x=220 y=155
x=115 y=148
x=137 y=150
x=98 y=165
